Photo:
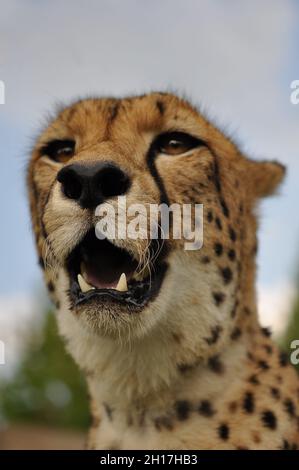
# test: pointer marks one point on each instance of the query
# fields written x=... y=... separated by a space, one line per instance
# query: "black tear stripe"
x=150 y=160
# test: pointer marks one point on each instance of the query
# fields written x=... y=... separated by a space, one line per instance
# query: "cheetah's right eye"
x=59 y=150
x=177 y=143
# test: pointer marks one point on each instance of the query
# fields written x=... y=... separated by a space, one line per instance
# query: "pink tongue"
x=103 y=279
x=96 y=282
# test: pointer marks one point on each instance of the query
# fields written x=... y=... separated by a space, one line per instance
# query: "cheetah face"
x=152 y=149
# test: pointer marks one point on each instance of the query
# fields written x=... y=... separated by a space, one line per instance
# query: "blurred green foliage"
x=47 y=387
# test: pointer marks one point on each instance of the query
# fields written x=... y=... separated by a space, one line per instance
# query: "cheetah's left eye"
x=176 y=143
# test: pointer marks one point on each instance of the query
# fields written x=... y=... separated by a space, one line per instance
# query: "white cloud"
x=275 y=303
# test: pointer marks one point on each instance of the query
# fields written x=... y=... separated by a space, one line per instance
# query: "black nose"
x=90 y=185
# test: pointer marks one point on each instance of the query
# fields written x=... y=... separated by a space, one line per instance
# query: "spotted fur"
x=194 y=369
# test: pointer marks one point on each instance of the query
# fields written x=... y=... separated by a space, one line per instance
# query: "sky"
x=235 y=58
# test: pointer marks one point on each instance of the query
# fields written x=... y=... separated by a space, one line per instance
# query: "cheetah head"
x=152 y=149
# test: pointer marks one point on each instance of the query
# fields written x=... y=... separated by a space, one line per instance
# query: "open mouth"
x=98 y=269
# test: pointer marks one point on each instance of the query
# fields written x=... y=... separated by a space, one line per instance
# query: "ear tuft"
x=265 y=177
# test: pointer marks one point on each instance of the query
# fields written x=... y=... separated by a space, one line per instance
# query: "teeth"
x=122 y=285
x=84 y=286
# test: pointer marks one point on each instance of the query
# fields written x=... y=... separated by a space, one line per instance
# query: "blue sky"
x=237 y=58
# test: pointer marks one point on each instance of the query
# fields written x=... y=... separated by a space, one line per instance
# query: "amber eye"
x=176 y=143
x=59 y=150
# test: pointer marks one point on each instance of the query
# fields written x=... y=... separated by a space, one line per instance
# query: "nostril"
x=70 y=183
x=72 y=189
x=112 y=181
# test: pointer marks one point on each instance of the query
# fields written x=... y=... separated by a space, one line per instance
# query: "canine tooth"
x=122 y=285
x=84 y=286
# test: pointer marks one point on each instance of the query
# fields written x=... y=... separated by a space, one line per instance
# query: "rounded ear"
x=264 y=177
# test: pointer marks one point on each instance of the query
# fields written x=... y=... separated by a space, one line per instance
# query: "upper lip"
x=98 y=268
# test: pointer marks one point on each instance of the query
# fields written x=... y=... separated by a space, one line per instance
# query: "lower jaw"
x=138 y=295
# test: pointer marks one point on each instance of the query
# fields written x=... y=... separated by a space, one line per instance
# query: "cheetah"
x=175 y=358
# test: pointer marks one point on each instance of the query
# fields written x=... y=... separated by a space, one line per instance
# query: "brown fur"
x=193 y=370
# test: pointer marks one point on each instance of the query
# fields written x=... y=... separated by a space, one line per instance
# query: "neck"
x=147 y=375
x=162 y=376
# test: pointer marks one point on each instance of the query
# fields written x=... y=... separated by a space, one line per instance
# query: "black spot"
x=183 y=409
x=289 y=407
x=205 y=260
x=227 y=275
x=215 y=364
x=218 y=248
x=236 y=333
x=215 y=333
x=219 y=298
x=205 y=409
x=283 y=359
x=231 y=254
x=224 y=207
x=217 y=175
x=254 y=380
x=275 y=392
x=161 y=107
x=218 y=223
x=266 y=332
x=50 y=286
x=210 y=216
x=263 y=364
x=223 y=431
x=234 y=309
x=286 y=445
x=247 y=311
x=268 y=348
x=232 y=234
x=250 y=356
x=269 y=419
x=248 y=402
x=57 y=304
